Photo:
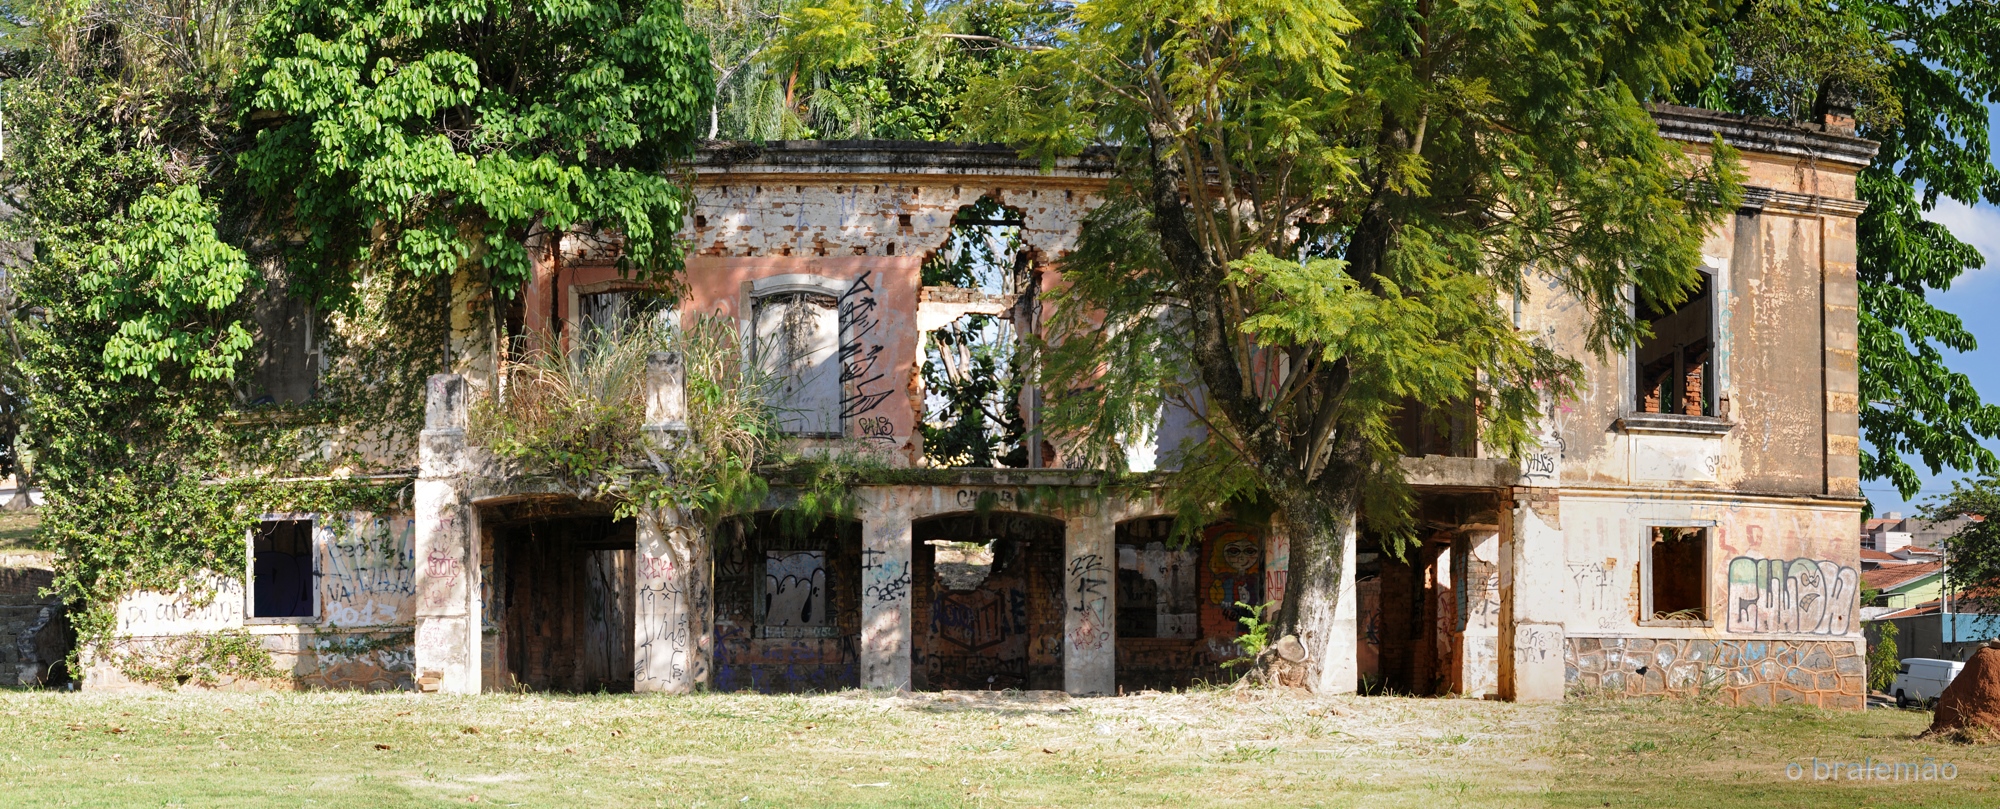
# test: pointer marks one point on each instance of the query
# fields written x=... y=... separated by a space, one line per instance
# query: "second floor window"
x=1676 y=365
x=798 y=344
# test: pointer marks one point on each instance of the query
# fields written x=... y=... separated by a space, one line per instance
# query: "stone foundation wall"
x=1827 y=674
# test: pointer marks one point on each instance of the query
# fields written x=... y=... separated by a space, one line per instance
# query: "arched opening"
x=787 y=605
x=561 y=590
x=1178 y=601
x=990 y=592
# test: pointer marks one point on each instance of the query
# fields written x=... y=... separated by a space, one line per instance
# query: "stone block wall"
x=1826 y=674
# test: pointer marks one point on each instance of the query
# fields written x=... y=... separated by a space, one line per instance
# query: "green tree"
x=1883 y=657
x=118 y=125
x=1346 y=193
x=435 y=136
x=891 y=69
x=1972 y=554
x=1919 y=73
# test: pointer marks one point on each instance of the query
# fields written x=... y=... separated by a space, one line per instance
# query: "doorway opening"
x=991 y=586
x=565 y=602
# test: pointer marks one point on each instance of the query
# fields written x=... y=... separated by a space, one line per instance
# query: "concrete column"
x=1531 y=622
x=886 y=556
x=673 y=609
x=674 y=615
x=447 y=636
x=1090 y=644
x=1340 y=670
x=1841 y=316
x=1475 y=585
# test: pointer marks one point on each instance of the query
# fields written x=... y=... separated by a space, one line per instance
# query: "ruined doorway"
x=991 y=590
x=566 y=595
x=787 y=605
x=1178 y=597
x=1398 y=601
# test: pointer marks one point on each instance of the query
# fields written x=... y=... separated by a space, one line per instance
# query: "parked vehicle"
x=1922 y=679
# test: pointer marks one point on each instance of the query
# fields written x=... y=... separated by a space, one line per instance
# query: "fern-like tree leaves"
x=1319 y=210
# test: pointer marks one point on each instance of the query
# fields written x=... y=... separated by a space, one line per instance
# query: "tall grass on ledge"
x=573 y=413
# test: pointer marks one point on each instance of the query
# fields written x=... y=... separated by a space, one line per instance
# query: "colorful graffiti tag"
x=1809 y=596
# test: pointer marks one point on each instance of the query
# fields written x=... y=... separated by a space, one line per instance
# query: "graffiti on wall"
x=368 y=573
x=1090 y=583
x=861 y=374
x=888 y=579
x=1811 y=596
x=795 y=596
x=1236 y=569
x=217 y=606
x=673 y=620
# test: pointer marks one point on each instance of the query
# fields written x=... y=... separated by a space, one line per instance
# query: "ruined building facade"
x=1685 y=526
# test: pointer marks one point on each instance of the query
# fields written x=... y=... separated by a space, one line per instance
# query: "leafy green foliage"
x=198 y=659
x=456 y=128
x=971 y=367
x=164 y=278
x=1973 y=553
x=577 y=416
x=1921 y=74
x=1883 y=657
x=1256 y=633
x=436 y=134
x=890 y=69
x=1320 y=207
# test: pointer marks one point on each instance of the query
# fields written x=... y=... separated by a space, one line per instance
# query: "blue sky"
x=1973 y=298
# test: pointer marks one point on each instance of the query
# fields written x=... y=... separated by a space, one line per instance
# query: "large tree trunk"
x=1321 y=527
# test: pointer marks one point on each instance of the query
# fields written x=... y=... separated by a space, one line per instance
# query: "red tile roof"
x=1889 y=578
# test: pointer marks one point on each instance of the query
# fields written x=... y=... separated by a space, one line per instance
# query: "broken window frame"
x=659 y=305
x=818 y=287
x=1649 y=614
x=1712 y=394
x=250 y=578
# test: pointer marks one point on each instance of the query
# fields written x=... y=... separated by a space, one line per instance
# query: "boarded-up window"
x=798 y=343
x=795 y=596
x=1676 y=365
x=281 y=570
x=1676 y=562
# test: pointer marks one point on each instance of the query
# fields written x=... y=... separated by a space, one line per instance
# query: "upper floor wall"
x=1752 y=384
x=816 y=249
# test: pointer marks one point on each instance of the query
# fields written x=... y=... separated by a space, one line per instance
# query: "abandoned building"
x=1687 y=524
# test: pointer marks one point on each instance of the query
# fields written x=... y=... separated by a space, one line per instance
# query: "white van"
x=1922 y=679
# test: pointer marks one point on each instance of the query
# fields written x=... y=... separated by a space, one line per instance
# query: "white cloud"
x=1976 y=226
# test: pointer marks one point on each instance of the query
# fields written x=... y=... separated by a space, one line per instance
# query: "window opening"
x=1677 y=561
x=618 y=311
x=1676 y=371
x=798 y=345
x=971 y=374
x=281 y=570
x=962 y=566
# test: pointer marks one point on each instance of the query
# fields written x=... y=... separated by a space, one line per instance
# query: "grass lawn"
x=17 y=530
x=861 y=749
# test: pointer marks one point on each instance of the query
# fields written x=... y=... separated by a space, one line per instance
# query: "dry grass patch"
x=1202 y=748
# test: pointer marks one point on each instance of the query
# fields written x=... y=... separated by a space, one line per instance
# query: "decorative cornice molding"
x=1764 y=135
